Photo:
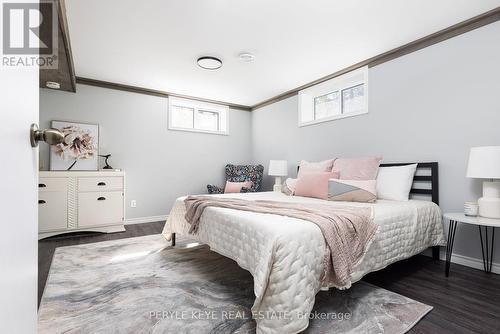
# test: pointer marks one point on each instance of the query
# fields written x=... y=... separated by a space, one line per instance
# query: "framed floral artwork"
x=79 y=149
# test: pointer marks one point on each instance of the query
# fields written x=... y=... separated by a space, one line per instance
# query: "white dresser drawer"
x=52 y=184
x=52 y=211
x=105 y=183
x=100 y=208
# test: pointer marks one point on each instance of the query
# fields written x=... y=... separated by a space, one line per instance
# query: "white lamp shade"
x=484 y=162
x=278 y=168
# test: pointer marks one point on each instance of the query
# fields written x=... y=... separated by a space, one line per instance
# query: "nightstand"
x=487 y=243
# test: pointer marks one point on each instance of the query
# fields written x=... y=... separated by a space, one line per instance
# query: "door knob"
x=50 y=136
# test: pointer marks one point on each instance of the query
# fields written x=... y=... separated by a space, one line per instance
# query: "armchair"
x=241 y=173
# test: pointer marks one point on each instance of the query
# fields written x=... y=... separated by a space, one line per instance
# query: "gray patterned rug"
x=140 y=285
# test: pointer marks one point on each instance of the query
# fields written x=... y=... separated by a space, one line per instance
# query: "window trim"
x=196 y=106
x=339 y=84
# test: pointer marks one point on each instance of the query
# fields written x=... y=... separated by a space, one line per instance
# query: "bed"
x=284 y=254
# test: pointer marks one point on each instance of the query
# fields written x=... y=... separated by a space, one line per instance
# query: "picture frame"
x=80 y=148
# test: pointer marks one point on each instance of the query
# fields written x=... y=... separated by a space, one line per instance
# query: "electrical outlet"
x=133 y=203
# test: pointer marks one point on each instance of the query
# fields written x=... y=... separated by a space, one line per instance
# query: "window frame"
x=307 y=97
x=342 y=102
x=197 y=106
x=199 y=111
x=339 y=97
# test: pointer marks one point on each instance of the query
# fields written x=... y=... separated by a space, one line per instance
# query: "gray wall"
x=431 y=105
x=161 y=164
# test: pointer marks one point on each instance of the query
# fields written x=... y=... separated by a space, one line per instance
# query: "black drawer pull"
x=41 y=201
x=101 y=199
x=101 y=184
x=41 y=185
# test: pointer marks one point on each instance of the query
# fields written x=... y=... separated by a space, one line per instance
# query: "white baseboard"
x=470 y=262
x=142 y=220
x=466 y=261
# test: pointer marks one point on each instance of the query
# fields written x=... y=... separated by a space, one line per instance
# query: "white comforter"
x=284 y=255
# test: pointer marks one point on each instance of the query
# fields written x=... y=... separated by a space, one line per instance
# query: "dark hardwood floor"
x=466 y=302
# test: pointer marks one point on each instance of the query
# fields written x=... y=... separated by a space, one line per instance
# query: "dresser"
x=80 y=201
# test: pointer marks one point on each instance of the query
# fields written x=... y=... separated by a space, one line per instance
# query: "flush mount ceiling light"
x=209 y=63
x=246 y=57
x=53 y=85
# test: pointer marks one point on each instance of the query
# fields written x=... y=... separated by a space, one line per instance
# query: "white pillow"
x=395 y=183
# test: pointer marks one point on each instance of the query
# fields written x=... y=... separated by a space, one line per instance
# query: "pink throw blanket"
x=348 y=231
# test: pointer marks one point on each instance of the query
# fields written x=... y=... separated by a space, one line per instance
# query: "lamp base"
x=489 y=204
x=489 y=207
x=277 y=184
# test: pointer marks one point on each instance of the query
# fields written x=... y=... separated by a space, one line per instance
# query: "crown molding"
x=153 y=92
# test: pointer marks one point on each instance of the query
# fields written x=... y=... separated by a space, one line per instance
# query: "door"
x=18 y=200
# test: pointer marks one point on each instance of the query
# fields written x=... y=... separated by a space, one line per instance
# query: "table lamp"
x=484 y=163
x=277 y=168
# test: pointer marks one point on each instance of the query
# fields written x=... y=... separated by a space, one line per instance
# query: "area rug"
x=142 y=285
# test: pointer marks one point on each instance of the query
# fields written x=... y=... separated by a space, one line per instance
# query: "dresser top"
x=81 y=173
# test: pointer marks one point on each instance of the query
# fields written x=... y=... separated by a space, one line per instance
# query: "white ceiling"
x=154 y=43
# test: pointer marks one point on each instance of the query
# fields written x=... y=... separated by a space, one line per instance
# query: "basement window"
x=194 y=116
x=340 y=97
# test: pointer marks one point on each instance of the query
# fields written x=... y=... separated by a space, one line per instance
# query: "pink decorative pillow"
x=314 y=184
x=235 y=187
x=321 y=166
x=358 y=168
x=291 y=184
x=335 y=174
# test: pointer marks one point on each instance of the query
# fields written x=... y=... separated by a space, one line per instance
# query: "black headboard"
x=432 y=179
